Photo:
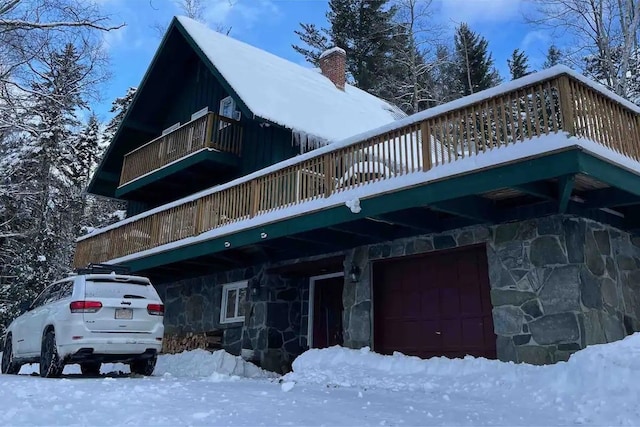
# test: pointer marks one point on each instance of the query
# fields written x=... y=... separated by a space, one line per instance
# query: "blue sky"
x=269 y=25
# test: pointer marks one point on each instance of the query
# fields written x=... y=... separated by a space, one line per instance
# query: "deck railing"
x=464 y=128
x=209 y=131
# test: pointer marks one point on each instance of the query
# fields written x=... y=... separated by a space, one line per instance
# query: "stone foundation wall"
x=275 y=327
x=557 y=284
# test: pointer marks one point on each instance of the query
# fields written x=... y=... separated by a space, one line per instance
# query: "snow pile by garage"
x=202 y=363
x=606 y=369
x=337 y=366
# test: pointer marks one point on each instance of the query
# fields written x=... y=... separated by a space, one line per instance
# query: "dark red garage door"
x=434 y=305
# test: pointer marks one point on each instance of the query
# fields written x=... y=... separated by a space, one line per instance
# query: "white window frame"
x=231 y=103
x=225 y=295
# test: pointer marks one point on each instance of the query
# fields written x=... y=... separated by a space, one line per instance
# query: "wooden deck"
x=560 y=103
x=209 y=131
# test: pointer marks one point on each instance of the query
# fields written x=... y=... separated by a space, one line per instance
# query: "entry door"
x=327 y=312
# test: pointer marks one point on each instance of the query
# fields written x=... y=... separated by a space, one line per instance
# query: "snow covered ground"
x=598 y=386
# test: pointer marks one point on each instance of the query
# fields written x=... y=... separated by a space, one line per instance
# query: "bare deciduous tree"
x=420 y=37
x=603 y=36
x=196 y=10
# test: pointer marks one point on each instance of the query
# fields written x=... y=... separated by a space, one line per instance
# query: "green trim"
x=565 y=187
x=177 y=166
x=550 y=166
x=610 y=174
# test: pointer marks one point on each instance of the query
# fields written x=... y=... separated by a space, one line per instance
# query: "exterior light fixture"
x=263 y=235
x=254 y=285
x=354 y=274
x=227 y=244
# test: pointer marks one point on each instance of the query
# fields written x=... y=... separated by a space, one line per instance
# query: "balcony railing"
x=209 y=131
x=558 y=101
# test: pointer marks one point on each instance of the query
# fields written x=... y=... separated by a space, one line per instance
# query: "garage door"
x=434 y=305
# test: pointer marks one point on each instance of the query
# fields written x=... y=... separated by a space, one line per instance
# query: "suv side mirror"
x=24 y=306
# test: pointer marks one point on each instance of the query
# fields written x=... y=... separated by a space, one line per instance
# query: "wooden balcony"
x=209 y=132
x=464 y=129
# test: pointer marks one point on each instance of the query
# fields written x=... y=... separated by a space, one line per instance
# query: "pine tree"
x=45 y=207
x=315 y=42
x=553 y=57
x=474 y=63
x=444 y=75
x=119 y=107
x=101 y=211
x=365 y=30
x=518 y=64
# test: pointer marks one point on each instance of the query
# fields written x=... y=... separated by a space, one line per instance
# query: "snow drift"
x=202 y=363
x=188 y=364
x=605 y=369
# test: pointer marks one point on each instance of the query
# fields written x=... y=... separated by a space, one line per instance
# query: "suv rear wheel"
x=143 y=367
x=90 y=368
x=50 y=364
x=9 y=366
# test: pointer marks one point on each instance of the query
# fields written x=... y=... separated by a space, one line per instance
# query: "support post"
x=425 y=132
x=566 y=105
x=255 y=198
x=209 y=131
x=328 y=175
x=565 y=187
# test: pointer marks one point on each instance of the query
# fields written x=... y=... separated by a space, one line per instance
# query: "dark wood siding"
x=434 y=305
x=134 y=208
x=195 y=87
x=264 y=146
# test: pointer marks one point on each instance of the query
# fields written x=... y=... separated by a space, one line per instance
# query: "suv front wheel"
x=144 y=366
x=9 y=366
x=50 y=364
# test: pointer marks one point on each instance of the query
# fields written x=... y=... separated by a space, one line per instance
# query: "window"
x=234 y=296
x=39 y=301
x=228 y=110
x=227 y=107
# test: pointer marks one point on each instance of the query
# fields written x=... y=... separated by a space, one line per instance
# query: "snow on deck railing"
x=547 y=102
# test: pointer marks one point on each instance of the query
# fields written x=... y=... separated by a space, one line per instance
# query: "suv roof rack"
x=103 y=269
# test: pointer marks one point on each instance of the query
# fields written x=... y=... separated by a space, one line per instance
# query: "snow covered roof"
x=289 y=94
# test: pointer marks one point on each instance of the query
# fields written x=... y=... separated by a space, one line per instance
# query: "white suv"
x=88 y=319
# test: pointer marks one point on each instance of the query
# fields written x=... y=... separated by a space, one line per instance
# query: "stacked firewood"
x=177 y=343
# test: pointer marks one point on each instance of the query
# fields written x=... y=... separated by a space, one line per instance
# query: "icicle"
x=307 y=142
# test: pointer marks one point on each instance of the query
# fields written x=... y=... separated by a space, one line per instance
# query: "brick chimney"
x=333 y=66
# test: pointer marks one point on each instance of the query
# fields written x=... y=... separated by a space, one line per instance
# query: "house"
x=283 y=209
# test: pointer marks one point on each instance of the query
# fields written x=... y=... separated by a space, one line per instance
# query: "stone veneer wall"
x=275 y=326
x=558 y=284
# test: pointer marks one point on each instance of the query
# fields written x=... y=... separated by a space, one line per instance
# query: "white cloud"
x=534 y=39
x=479 y=11
x=114 y=38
